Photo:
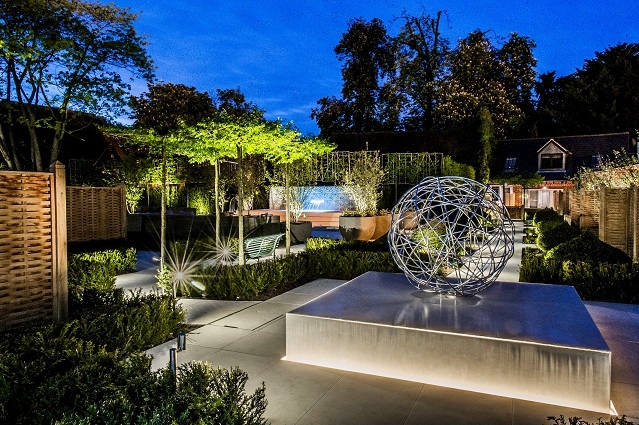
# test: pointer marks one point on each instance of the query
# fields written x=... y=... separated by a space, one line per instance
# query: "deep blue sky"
x=280 y=53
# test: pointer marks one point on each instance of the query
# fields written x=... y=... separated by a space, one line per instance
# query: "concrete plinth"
x=526 y=341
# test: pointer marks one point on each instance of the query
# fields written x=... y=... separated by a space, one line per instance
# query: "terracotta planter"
x=382 y=226
x=410 y=220
x=301 y=231
x=357 y=228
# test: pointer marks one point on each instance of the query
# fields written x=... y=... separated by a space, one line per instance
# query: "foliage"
x=479 y=76
x=621 y=171
x=367 y=102
x=601 y=97
x=553 y=232
x=164 y=106
x=63 y=368
x=594 y=281
x=402 y=168
x=59 y=57
x=362 y=182
x=65 y=380
x=486 y=144
x=95 y=271
x=450 y=167
x=575 y=420
x=327 y=259
x=525 y=180
x=586 y=247
x=547 y=214
x=421 y=63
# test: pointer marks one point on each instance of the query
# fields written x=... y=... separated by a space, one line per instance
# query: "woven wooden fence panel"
x=95 y=213
x=584 y=209
x=26 y=258
x=618 y=222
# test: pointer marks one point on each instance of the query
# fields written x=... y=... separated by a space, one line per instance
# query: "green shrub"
x=199 y=395
x=118 y=260
x=348 y=264
x=587 y=247
x=547 y=214
x=129 y=324
x=593 y=281
x=553 y=233
x=534 y=269
x=95 y=271
x=341 y=261
x=575 y=420
x=321 y=243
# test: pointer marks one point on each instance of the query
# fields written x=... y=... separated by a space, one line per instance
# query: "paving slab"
x=252 y=364
x=202 y=312
x=215 y=336
x=451 y=406
x=364 y=399
x=292 y=389
x=260 y=343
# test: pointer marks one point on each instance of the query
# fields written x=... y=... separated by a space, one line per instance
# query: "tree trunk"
x=163 y=213
x=240 y=206
x=218 y=212
x=287 y=192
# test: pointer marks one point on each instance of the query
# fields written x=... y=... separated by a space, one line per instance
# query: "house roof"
x=580 y=150
x=553 y=141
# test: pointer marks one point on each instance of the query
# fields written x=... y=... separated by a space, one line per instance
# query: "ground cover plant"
x=91 y=369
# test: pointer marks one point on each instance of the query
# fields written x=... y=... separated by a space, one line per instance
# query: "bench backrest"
x=261 y=246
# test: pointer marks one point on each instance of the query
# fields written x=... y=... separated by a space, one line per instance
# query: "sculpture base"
x=527 y=341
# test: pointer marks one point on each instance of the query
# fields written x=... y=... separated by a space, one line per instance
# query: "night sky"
x=280 y=53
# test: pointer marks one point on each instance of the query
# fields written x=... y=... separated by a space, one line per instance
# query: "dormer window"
x=552 y=161
x=509 y=166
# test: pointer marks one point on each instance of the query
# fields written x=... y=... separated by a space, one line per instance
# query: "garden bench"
x=261 y=246
x=255 y=247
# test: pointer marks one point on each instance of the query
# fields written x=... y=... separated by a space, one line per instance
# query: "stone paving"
x=251 y=335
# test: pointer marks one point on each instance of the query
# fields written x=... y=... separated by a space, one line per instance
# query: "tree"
x=159 y=113
x=367 y=52
x=486 y=144
x=603 y=96
x=57 y=57
x=421 y=58
x=475 y=80
x=518 y=64
x=287 y=150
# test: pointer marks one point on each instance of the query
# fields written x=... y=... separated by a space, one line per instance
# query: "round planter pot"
x=357 y=228
x=382 y=226
x=409 y=221
x=301 y=231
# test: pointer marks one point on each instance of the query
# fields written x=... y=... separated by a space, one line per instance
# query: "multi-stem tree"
x=57 y=58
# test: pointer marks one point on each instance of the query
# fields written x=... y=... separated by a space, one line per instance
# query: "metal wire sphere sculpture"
x=452 y=235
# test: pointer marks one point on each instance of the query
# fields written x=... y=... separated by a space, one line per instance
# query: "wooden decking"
x=318 y=218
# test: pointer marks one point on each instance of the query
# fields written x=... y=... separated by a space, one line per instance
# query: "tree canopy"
x=415 y=80
x=58 y=57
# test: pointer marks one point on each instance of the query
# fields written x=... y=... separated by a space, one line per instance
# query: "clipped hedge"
x=587 y=247
x=333 y=261
x=593 y=281
x=94 y=386
x=547 y=214
x=552 y=233
x=51 y=370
